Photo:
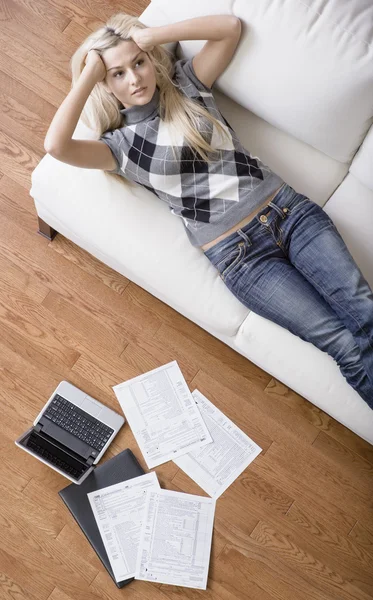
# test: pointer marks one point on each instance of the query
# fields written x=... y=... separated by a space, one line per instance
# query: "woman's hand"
x=95 y=65
x=142 y=38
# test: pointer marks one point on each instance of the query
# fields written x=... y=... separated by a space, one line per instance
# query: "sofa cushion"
x=307 y=170
x=304 y=67
x=362 y=165
x=351 y=208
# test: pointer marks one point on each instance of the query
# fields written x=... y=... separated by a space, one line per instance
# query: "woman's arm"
x=66 y=118
x=58 y=141
x=212 y=27
x=222 y=33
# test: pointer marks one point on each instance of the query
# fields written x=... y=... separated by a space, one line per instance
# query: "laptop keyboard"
x=76 y=421
x=41 y=448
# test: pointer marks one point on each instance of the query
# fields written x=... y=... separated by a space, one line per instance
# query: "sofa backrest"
x=304 y=66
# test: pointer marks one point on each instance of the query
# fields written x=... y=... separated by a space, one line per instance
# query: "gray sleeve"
x=185 y=76
x=113 y=139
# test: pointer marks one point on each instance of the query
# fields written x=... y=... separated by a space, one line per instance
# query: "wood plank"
x=14 y=16
x=313 y=570
x=17 y=213
x=254 y=568
x=22 y=280
x=17 y=160
x=345 y=458
x=73 y=284
x=24 y=578
x=41 y=110
x=319 y=478
x=99 y=334
x=22 y=74
x=59 y=594
x=72 y=537
x=207 y=343
x=42 y=67
x=34 y=40
x=339 y=546
x=79 y=28
x=363 y=537
x=119 y=314
x=320 y=419
x=214 y=591
x=46 y=557
x=136 y=590
x=103 y=11
x=29 y=369
x=22 y=509
x=89 y=264
x=42 y=9
x=30 y=323
x=9 y=589
x=17 y=194
x=17 y=121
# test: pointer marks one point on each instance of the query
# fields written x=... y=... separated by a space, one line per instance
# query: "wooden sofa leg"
x=46 y=230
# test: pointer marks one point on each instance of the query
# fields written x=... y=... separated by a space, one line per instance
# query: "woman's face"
x=129 y=68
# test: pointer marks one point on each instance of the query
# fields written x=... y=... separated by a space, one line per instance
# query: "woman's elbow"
x=52 y=148
x=48 y=146
x=236 y=25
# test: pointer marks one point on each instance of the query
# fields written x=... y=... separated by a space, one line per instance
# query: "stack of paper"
x=162 y=414
x=154 y=534
x=159 y=535
x=215 y=466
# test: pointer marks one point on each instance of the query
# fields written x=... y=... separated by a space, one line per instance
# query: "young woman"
x=159 y=126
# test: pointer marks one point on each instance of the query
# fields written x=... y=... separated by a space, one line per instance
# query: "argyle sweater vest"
x=209 y=197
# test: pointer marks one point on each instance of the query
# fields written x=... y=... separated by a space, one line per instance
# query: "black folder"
x=119 y=468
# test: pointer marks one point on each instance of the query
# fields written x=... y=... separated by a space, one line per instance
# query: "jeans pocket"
x=231 y=260
x=293 y=207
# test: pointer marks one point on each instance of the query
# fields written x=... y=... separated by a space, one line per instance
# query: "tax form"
x=119 y=510
x=215 y=466
x=162 y=414
x=176 y=537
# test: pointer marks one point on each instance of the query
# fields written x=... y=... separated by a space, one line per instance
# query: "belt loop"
x=244 y=236
x=277 y=209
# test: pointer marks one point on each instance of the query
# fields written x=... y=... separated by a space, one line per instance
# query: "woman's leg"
x=258 y=272
x=316 y=249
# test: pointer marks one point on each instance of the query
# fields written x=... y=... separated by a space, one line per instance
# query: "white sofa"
x=299 y=92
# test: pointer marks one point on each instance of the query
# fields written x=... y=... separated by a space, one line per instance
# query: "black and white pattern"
x=209 y=197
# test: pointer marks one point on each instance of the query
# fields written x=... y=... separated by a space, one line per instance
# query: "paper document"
x=215 y=466
x=119 y=510
x=176 y=539
x=162 y=414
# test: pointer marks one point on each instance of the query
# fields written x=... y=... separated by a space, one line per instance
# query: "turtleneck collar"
x=138 y=113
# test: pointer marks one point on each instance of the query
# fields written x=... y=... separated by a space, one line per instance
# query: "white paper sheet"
x=162 y=414
x=119 y=510
x=215 y=466
x=176 y=538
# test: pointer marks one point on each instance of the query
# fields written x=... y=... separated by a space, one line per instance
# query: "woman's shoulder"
x=116 y=135
x=185 y=76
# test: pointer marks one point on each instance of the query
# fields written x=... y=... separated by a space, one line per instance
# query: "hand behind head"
x=95 y=65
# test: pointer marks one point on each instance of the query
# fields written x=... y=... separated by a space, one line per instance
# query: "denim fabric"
x=290 y=265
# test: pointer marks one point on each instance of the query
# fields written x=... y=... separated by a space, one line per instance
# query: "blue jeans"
x=290 y=265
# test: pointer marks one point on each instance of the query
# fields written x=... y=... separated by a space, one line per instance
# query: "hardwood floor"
x=297 y=524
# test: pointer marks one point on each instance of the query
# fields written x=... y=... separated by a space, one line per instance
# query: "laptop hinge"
x=38 y=428
x=90 y=461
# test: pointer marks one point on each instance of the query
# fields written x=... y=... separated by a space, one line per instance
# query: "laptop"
x=72 y=432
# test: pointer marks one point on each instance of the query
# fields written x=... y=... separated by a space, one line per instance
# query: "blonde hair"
x=102 y=109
